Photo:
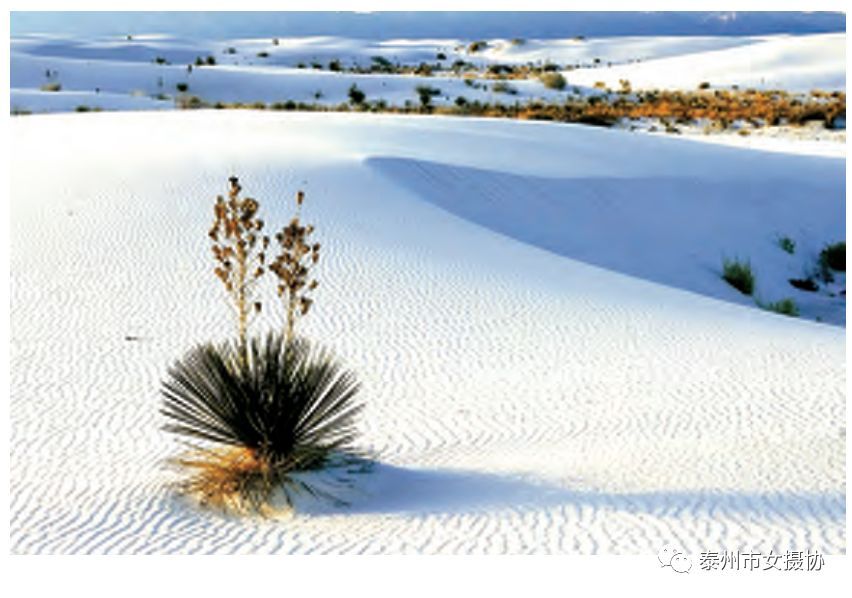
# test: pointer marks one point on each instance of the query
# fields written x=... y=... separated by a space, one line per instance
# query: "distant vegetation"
x=477 y=46
x=356 y=96
x=553 y=80
x=425 y=93
x=785 y=307
x=787 y=244
x=834 y=256
x=598 y=110
x=52 y=86
x=503 y=87
x=739 y=275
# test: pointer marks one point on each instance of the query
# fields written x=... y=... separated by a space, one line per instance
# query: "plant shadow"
x=392 y=490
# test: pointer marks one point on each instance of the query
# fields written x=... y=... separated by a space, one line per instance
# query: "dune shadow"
x=391 y=490
x=663 y=228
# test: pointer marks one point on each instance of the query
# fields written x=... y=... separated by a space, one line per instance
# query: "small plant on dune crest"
x=739 y=275
x=786 y=307
x=239 y=250
x=292 y=267
x=276 y=410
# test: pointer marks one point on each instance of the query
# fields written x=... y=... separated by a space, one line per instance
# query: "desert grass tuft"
x=786 y=307
x=739 y=275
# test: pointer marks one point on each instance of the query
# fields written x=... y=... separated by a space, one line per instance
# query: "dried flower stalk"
x=240 y=252
x=292 y=267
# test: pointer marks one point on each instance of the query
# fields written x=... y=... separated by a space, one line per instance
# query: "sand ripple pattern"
x=518 y=401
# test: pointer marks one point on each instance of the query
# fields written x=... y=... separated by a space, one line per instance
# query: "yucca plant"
x=265 y=416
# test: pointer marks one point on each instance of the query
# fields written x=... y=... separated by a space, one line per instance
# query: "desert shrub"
x=553 y=80
x=182 y=87
x=804 y=284
x=739 y=275
x=356 y=96
x=160 y=60
x=440 y=56
x=382 y=64
x=517 y=41
x=83 y=108
x=272 y=412
x=185 y=102
x=503 y=87
x=426 y=93
x=787 y=244
x=288 y=105
x=211 y=61
x=52 y=86
x=785 y=307
x=335 y=66
x=834 y=256
x=704 y=85
x=263 y=54
x=477 y=46
x=230 y=50
x=461 y=101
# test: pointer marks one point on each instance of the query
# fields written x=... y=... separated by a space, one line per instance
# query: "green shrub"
x=477 y=46
x=425 y=93
x=739 y=275
x=834 y=256
x=356 y=96
x=553 y=80
x=503 y=87
x=272 y=413
x=787 y=244
x=785 y=307
x=182 y=87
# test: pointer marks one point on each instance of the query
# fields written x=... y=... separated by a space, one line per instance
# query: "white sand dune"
x=791 y=63
x=120 y=74
x=518 y=399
